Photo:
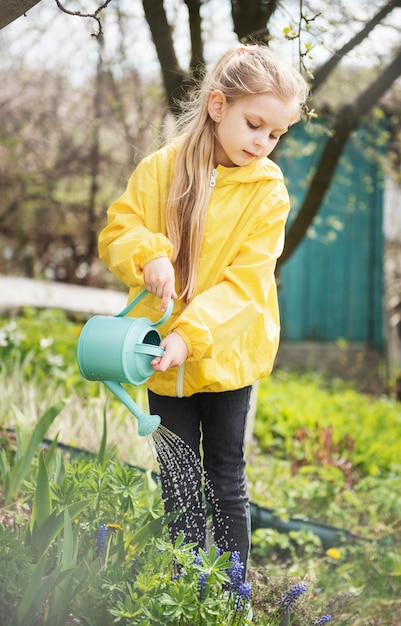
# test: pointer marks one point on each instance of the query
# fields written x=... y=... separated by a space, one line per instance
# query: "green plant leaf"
x=25 y=612
x=52 y=452
x=102 y=450
x=61 y=596
x=141 y=538
x=42 y=499
x=26 y=450
x=37 y=592
x=40 y=538
x=4 y=471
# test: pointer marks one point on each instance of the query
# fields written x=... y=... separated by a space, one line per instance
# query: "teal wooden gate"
x=331 y=288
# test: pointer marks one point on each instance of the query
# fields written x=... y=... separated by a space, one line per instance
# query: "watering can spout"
x=147 y=424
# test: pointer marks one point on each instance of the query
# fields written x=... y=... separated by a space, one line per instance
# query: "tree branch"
x=323 y=72
x=347 y=120
x=93 y=16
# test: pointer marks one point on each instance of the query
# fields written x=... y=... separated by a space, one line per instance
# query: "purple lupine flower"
x=197 y=558
x=202 y=585
x=322 y=620
x=289 y=599
x=101 y=540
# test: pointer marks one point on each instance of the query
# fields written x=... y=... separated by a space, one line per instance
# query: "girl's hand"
x=160 y=280
x=175 y=353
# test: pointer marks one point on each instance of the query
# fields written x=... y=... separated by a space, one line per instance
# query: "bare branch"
x=93 y=16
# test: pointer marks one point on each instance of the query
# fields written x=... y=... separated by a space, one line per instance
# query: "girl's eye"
x=252 y=126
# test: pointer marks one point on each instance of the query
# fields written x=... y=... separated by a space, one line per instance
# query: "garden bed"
x=320 y=453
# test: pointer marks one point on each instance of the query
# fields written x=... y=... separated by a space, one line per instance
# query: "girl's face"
x=249 y=128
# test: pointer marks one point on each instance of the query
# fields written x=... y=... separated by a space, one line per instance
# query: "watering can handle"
x=148 y=348
x=137 y=299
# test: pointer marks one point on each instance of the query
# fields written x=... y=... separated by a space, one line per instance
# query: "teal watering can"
x=118 y=349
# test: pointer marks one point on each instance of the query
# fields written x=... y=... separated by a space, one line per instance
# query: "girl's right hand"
x=175 y=353
x=159 y=280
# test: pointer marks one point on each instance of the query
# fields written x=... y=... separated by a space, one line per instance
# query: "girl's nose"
x=262 y=139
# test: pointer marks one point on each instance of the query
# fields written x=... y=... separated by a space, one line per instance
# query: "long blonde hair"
x=242 y=71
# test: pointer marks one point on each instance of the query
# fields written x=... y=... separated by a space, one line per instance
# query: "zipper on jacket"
x=181 y=368
x=213 y=177
x=180 y=381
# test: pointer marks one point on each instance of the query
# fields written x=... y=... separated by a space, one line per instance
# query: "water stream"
x=185 y=487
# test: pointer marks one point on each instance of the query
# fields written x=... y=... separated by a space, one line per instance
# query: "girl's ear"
x=216 y=103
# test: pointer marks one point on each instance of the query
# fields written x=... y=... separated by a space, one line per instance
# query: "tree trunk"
x=10 y=10
x=347 y=120
x=91 y=250
x=195 y=28
x=173 y=77
x=251 y=17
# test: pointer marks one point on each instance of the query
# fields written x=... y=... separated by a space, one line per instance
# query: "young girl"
x=202 y=221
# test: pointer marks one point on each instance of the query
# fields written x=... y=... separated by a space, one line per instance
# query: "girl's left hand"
x=175 y=353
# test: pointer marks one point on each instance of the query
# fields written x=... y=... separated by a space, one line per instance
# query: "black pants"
x=213 y=426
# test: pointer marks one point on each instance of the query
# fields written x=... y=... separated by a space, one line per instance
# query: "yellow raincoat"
x=231 y=326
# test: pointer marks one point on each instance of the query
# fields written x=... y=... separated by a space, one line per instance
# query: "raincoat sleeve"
x=133 y=236
x=246 y=288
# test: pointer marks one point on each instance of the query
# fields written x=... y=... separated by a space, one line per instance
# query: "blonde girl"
x=202 y=221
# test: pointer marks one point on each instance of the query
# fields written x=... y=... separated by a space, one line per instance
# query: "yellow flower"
x=333 y=553
x=114 y=526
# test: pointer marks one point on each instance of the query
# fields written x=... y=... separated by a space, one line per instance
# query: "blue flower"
x=202 y=585
x=101 y=539
x=197 y=558
x=236 y=575
x=235 y=556
x=244 y=591
x=289 y=599
x=243 y=594
x=236 y=572
x=322 y=620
